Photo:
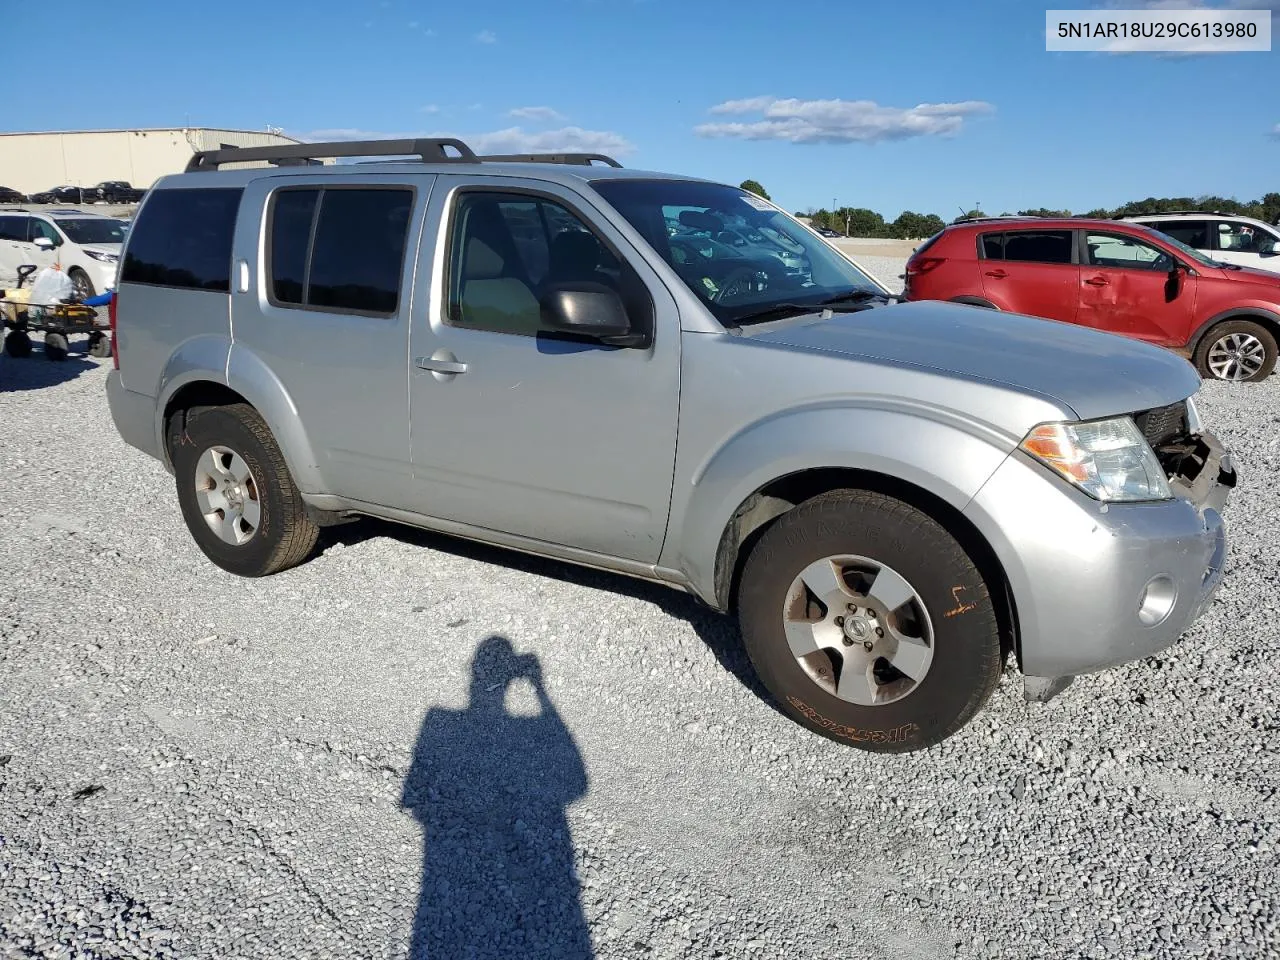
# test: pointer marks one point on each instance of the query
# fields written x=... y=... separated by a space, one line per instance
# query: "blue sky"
x=930 y=106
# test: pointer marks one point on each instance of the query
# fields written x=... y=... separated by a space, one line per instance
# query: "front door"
x=1130 y=287
x=1032 y=272
x=563 y=442
x=1246 y=245
x=26 y=250
x=329 y=317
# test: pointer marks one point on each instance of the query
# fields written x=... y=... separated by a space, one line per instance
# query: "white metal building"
x=31 y=162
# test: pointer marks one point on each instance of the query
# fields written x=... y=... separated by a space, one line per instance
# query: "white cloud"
x=510 y=140
x=1275 y=131
x=838 y=121
x=429 y=108
x=486 y=36
x=536 y=114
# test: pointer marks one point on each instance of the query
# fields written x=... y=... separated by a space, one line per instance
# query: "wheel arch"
x=1269 y=319
x=778 y=497
x=975 y=302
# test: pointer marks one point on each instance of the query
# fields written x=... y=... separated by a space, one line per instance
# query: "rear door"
x=1034 y=272
x=328 y=315
x=1196 y=233
x=1129 y=286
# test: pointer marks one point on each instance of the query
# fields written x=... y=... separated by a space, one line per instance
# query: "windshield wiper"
x=850 y=302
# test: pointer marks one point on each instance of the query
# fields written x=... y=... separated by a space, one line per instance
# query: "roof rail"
x=429 y=149
x=578 y=159
x=1177 y=213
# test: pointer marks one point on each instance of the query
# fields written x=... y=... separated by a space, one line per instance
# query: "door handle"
x=1098 y=281
x=439 y=364
x=997 y=274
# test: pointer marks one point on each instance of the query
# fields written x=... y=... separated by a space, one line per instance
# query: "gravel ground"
x=195 y=765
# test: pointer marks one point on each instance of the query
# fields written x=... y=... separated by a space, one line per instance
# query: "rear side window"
x=1038 y=246
x=339 y=250
x=182 y=238
x=13 y=228
x=1194 y=233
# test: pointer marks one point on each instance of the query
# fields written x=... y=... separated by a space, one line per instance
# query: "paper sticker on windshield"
x=756 y=202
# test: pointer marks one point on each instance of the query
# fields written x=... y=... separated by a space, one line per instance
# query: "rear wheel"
x=18 y=344
x=1242 y=351
x=100 y=346
x=869 y=623
x=236 y=493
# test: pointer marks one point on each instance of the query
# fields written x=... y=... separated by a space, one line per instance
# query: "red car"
x=1112 y=275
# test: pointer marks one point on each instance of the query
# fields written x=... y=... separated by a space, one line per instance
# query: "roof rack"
x=577 y=159
x=429 y=149
x=1177 y=213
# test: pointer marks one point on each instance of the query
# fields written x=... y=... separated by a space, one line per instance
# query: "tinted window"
x=182 y=238
x=1114 y=250
x=358 y=251
x=96 y=230
x=292 y=212
x=1038 y=246
x=13 y=228
x=1194 y=233
x=993 y=246
x=508 y=250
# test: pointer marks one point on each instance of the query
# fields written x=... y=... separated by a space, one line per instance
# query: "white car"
x=86 y=244
x=1223 y=236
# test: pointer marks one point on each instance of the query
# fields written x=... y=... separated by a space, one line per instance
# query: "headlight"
x=1109 y=460
x=101 y=256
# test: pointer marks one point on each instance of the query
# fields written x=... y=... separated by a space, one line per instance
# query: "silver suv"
x=891 y=497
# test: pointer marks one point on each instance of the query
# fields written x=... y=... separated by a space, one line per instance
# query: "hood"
x=1095 y=374
x=1250 y=275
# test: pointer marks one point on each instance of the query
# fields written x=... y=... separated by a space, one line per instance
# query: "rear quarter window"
x=182 y=238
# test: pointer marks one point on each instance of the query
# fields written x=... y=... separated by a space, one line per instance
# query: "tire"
x=283 y=535
x=1238 y=351
x=55 y=346
x=83 y=285
x=950 y=601
x=100 y=347
x=18 y=344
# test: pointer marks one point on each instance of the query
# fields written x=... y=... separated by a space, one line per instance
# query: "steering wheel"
x=743 y=280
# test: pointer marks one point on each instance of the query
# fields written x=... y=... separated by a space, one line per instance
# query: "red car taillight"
x=115 y=339
x=919 y=265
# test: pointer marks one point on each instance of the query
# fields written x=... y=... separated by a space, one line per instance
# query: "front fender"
x=930 y=447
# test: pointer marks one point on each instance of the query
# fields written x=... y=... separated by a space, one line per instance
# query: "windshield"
x=1191 y=252
x=736 y=252
x=97 y=230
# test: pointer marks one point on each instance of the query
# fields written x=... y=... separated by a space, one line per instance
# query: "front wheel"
x=236 y=493
x=1241 y=351
x=869 y=623
x=81 y=283
x=55 y=346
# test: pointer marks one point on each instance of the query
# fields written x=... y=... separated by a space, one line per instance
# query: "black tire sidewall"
x=966 y=658
x=1265 y=337
x=55 y=346
x=218 y=427
x=78 y=277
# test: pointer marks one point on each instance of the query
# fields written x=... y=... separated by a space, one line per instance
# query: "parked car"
x=828 y=232
x=887 y=496
x=115 y=191
x=86 y=244
x=8 y=195
x=1110 y=275
x=1242 y=241
x=63 y=194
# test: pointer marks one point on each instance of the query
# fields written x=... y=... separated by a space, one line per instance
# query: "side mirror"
x=589 y=310
x=44 y=243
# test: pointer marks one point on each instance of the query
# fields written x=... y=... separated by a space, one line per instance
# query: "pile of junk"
x=50 y=306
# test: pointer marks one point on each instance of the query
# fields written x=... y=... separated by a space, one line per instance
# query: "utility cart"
x=57 y=321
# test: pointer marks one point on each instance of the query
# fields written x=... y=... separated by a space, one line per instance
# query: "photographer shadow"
x=490 y=789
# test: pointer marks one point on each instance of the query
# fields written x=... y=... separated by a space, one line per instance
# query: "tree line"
x=863 y=222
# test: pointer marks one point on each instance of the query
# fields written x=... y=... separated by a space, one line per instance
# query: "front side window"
x=738 y=254
x=339 y=250
x=39 y=228
x=1194 y=233
x=182 y=238
x=508 y=250
x=1117 y=251
x=13 y=228
x=1241 y=237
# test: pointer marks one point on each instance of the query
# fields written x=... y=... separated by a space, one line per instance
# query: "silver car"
x=892 y=498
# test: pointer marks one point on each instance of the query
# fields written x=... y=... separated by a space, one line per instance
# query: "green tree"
x=917 y=226
x=753 y=186
x=1044 y=212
